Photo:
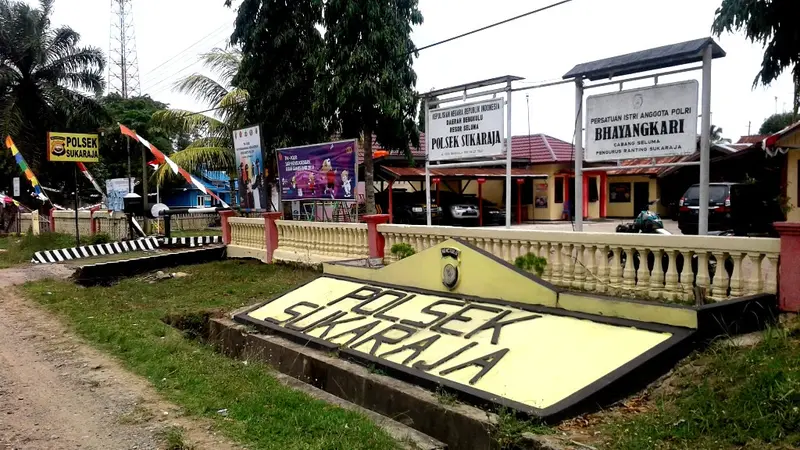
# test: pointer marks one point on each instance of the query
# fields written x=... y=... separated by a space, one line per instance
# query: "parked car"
x=743 y=208
x=491 y=212
x=458 y=209
x=407 y=207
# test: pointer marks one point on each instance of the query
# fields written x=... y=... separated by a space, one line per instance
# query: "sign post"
x=75 y=148
x=16 y=187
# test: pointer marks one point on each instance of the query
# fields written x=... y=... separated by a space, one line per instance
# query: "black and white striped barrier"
x=89 y=251
x=192 y=241
x=142 y=244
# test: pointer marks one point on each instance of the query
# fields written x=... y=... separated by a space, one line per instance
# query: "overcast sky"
x=541 y=47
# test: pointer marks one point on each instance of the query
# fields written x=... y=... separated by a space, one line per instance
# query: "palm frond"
x=180 y=121
x=233 y=107
x=224 y=62
x=191 y=158
x=202 y=88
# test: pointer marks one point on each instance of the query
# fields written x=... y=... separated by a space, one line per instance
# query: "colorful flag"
x=26 y=170
x=161 y=158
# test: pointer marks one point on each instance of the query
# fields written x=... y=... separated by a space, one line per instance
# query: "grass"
x=509 y=430
x=724 y=398
x=173 y=439
x=20 y=249
x=125 y=320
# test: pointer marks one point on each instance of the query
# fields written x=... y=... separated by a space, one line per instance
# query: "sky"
x=170 y=34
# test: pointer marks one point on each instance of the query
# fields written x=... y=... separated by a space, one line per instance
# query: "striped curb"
x=192 y=241
x=89 y=251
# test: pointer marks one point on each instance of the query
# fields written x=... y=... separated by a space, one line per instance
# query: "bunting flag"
x=6 y=199
x=37 y=189
x=153 y=164
x=89 y=177
x=161 y=158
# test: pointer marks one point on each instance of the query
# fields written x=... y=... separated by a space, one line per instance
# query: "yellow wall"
x=792 y=185
x=492 y=189
x=626 y=209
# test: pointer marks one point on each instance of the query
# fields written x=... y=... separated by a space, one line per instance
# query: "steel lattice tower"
x=123 y=64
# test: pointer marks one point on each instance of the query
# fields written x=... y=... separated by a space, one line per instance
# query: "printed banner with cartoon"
x=318 y=172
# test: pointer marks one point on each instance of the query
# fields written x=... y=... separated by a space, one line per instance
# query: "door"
x=641 y=197
x=571 y=202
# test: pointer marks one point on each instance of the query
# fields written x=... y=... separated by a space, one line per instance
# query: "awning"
x=417 y=173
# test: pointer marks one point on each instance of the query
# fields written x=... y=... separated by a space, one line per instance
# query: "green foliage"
x=402 y=250
x=280 y=69
x=263 y=413
x=727 y=398
x=764 y=22
x=99 y=238
x=370 y=89
x=776 y=122
x=44 y=74
x=508 y=433
x=20 y=250
x=531 y=263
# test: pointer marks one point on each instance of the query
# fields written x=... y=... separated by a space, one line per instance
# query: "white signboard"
x=642 y=123
x=465 y=131
x=16 y=187
x=116 y=189
x=251 y=168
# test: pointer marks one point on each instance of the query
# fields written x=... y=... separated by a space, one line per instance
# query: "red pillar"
x=92 y=223
x=585 y=183
x=375 y=238
x=603 y=194
x=436 y=181
x=271 y=233
x=226 y=226
x=480 y=200
x=391 y=206
x=788 y=282
x=520 y=183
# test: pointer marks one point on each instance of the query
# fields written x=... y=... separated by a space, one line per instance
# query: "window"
x=559 y=187
x=203 y=200
x=619 y=192
x=199 y=202
x=594 y=194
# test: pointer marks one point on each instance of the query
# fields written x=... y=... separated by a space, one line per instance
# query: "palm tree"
x=45 y=78
x=716 y=136
x=212 y=146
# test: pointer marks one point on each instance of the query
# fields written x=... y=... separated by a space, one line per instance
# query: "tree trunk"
x=369 y=172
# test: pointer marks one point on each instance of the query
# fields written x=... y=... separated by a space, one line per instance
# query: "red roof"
x=646 y=161
x=480 y=172
x=752 y=139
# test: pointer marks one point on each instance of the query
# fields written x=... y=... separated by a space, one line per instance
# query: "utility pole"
x=123 y=63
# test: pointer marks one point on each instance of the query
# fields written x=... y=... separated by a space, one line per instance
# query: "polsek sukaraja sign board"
x=465 y=131
x=649 y=122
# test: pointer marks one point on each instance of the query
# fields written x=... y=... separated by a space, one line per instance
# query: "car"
x=407 y=207
x=744 y=208
x=458 y=209
x=491 y=212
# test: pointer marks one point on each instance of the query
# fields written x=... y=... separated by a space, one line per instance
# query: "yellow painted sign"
x=529 y=357
x=73 y=147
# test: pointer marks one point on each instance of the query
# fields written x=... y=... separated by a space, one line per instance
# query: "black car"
x=407 y=207
x=743 y=208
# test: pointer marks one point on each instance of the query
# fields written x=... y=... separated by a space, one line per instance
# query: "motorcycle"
x=649 y=222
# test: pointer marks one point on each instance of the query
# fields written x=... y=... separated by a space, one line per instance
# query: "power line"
x=444 y=41
x=171 y=59
x=174 y=74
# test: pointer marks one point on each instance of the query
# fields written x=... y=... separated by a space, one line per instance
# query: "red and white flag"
x=89 y=177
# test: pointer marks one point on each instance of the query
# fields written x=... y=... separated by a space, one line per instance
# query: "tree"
x=765 y=22
x=280 y=69
x=45 y=82
x=369 y=54
x=716 y=135
x=776 y=122
x=210 y=136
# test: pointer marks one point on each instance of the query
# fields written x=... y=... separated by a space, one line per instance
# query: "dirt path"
x=56 y=392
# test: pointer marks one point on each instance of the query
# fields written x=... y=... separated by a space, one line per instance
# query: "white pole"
x=427 y=167
x=578 y=155
x=705 y=143
x=508 y=156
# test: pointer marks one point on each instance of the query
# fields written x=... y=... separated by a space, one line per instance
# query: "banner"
x=318 y=172
x=116 y=189
x=251 y=169
x=72 y=147
x=467 y=131
x=649 y=122
x=23 y=166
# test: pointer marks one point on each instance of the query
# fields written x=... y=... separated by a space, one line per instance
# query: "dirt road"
x=58 y=393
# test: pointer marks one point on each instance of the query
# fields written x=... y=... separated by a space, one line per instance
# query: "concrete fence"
x=668 y=268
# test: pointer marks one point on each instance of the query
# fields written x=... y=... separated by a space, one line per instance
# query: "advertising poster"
x=115 y=191
x=251 y=169
x=649 y=122
x=540 y=195
x=72 y=147
x=467 y=131
x=318 y=172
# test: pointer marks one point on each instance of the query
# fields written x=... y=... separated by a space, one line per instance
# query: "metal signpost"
x=668 y=132
x=471 y=133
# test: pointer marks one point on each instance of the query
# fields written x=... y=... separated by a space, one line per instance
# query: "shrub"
x=531 y=263
x=402 y=250
x=99 y=238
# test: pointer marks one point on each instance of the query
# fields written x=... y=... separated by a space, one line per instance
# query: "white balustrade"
x=315 y=242
x=643 y=266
